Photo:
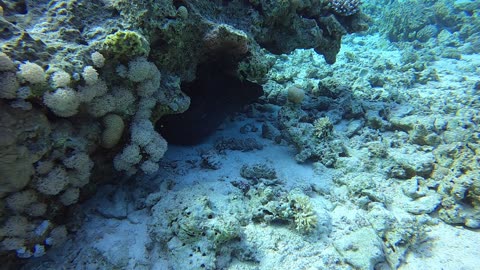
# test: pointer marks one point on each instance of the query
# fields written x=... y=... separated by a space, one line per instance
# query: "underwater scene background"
x=241 y=134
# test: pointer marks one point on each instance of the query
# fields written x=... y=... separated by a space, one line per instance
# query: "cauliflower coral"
x=63 y=102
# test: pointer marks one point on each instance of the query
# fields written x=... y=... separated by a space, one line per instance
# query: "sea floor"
x=116 y=228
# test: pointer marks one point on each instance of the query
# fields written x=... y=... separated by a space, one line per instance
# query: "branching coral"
x=323 y=128
x=304 y=216
x=345 y=7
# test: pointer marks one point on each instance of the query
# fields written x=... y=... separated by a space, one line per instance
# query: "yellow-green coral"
x=323 y=128
x=126 y=44
x=223 y=229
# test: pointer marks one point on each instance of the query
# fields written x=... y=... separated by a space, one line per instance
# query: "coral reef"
x=205 y=233
x=86 y=82
x=421 y=20
x=385 y=141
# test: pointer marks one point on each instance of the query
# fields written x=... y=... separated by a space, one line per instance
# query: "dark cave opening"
x=215 y=94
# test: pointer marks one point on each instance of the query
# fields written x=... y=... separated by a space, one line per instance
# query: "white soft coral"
x=63 y=102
